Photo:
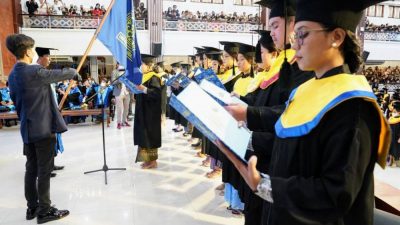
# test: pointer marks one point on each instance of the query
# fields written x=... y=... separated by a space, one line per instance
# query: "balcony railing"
x=67 y=22
x=85 y=22
x=181 y=25
x=391 y=87
x=382 y=36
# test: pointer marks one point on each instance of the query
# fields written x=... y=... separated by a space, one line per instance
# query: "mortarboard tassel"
x=285 y=79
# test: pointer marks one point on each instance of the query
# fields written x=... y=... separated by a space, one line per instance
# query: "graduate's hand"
x=175 y=85
x=250 y=173
x=140 y=87
x=398 y=140
x=238 y=111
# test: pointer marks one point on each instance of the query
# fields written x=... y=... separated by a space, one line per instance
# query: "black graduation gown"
x=164 y=99
x=272 y=98
x=326 y=177
x=147 y=123
x=176 y=116
x=394 y=146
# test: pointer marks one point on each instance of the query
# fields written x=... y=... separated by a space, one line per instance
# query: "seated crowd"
x=173 y=14
x=382 y=75
x=57 y=7
x=370 y=27
x=82 y=96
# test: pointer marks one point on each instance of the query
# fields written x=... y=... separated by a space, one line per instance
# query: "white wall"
x=175 y=43
x=75 y=42
x=227 y=7
x=183 y=42
x=385 y=19
x=383 y=50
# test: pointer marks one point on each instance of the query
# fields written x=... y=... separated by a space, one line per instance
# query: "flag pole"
x=71 y=82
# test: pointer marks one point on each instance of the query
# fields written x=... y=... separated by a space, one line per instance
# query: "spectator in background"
x=90 y=12
x=83 y=11
x=72 y=10
x=43 y=8
x=175 y=12
x=32 y=7
x=97 y=11
x=56 y=8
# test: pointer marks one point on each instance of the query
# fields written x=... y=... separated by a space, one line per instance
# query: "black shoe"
x=58 y=167
x=53 y=214
x=53 y=175
x=31 y=213
x=196 y=144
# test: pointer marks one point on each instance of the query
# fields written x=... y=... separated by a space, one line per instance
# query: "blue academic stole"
x=309 y=102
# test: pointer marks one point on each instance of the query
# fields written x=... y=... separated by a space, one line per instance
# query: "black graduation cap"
x=161 y=64
x=147 y=58
x=396 y=105
x=334 y=13
x=199 y=51
x=41 y=51
x=396 y=96
x=247 y=50
x=215 y=55
x=176 y=64
x=230 y=47
x=186 y=66
x=277 y=7
x=365 y=55
x=210 y=49
x=266 y=39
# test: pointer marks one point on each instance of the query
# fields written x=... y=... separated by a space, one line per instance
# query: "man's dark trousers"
x=39 y=164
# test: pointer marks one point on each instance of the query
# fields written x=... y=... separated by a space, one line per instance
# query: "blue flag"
x=118 y=34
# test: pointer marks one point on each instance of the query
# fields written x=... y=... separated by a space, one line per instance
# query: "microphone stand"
x=105 y=167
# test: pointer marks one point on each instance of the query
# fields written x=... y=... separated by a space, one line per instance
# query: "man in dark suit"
x=40 y=119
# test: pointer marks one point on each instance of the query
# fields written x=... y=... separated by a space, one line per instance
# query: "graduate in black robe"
x=176 y=89
x=159 y=69
x=394 y=121
x=147 y=123
x=321 y=171
x=197 y=64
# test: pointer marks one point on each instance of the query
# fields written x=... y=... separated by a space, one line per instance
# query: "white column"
x=94 y=68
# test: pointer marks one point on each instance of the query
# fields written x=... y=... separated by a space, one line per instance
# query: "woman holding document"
x=147 y=126
x=332 y=131
x=245 y=60
x=229 y=59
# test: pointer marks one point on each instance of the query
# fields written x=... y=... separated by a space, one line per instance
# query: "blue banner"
x=118 y=34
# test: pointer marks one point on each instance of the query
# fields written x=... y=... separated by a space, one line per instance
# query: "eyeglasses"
x=301 y=34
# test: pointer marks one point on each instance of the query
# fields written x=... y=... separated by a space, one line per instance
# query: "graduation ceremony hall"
x=200 y=112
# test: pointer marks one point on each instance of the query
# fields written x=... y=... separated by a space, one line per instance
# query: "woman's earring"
x=334 y=45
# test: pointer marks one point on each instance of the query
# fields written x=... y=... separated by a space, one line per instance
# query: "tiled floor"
x=177 y=193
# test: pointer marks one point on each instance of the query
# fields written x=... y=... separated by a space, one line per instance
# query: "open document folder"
x=220 y=94
x=128 y=84
x=211 y=119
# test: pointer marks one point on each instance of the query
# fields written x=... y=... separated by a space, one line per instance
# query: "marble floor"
x=176 y=193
